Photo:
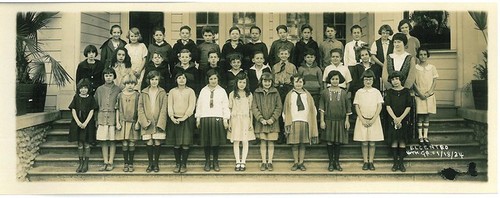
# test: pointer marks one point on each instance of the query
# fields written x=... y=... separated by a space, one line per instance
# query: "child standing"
x=255 y=72
x=82 y=128
x=240 y=125
x=328 y=45
x=207 y=46
x=351 y=55
x=189 y=69
x=138 y=53
x=230 y=75
x=185 y=43
x=299 y=114
x=306 y=42
x=234 y=45
x=121 y=64
x=266 y=109
x=334 y=110
x=181 y=103
x=313 y=76
x=109 y=46
x=283 y=41
x=215 y=64
x=425 y=83
x=336 y=57
x=398 y=101
x=382 y=46
x=253 y=46
x=368 y=103
x=361 y=67
x=212 y=115
x=91 y=69
x=106 y=96
x=159 y=45
x=127 y=127
x=153 y=118
x=159 y=64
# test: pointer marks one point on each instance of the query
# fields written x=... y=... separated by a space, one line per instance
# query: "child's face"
x=258 y=59
x=423 y=56
x=158 y=36
x=335 y=81
x=134 y=38
x=356 y=34
x=309 y=59
x=181 y=80
x=336 y=58
x=405 y=29
x=330 y=33
x=298 y=83
x=306 y=34
x=242 y=84
x=399 y=45
x=108 y=78
x=283 y=34
x=120 y=56
x=185 y=34
x=153 y=82
x=91 y=55
x=208 y=37
x=184 y=58
x=365 y=56
x=236 y=64
x=84 y=90
x=116 y=33
x=213 y=59
x=384 y=34
x=266 y=84
x=255 y=34
x=368 y=81
x=213 y=81
x=234 y=35
x=395 y=82
x=157 y=59
x=284 y=55
x=129 y=86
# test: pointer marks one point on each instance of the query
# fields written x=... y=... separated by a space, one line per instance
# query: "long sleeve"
x=255 y=110
x=162 y=119
x=278 y=108
x=141 y=113
x=191 y=104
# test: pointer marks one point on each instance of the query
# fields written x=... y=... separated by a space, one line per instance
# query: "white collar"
x=394 y=55
x=263 y=67
x=258 y=41
x=369 y=90
x=422 y=68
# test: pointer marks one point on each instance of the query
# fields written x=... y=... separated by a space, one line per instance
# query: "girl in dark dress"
x=90 y=68
x=398 y=103
x=82 y=128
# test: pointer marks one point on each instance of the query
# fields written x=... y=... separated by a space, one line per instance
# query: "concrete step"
x=281 y=173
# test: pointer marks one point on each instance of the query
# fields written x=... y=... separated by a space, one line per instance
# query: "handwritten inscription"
x=441 y=151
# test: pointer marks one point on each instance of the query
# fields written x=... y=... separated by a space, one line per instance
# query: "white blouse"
x=219 y=100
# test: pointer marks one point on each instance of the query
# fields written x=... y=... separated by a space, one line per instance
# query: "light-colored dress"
x=368 y=99
x=241 y=122
x=137 y=54
x=424 y=78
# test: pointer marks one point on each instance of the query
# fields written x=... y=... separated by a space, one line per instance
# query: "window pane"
x=201 y=18
x=210 y=19
x=294 y=22
x=213 y=18
x=337 y=19
x=432 y=28
x=244 y=21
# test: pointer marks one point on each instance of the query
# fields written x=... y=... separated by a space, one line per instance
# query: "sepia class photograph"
x=249 y=97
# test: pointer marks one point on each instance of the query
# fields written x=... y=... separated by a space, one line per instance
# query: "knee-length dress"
x=424 y=78
x=398 y=100
x=241 y=122
x=336 y=106
x=127 y=106
x=82 y=106
x=368 y=99
x=181 y=104
x=212 y=109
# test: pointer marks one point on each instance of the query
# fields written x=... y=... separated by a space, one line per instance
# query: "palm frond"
x=480 y=19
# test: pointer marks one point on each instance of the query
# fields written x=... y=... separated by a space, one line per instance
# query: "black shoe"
x=269 y=166
x=302 y=167
x=149 y=168
x=80 y=165
x=177 y=168
x=371 y=166
x=294 y=167
x=337 y=166
x=156 y=168
x=85 y=166
x=402 y=167
x=421 y=142
x=330 y=167
x=216 y=166
x=427 y=142
x=365 y=166
x=207 y=166
x=263 y=167
x=183 y=168
x=243 y=167
x=395 y=167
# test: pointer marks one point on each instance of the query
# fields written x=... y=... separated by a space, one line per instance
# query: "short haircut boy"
x=184 y=51
x=281 y=27
x=88 y=49
x=309 y=51
x=257 y=52
x=207 y=29
x=159 y=28
x=337 y=50
x=306 y=26
x=356 y=27
x=234 y=56
x=213 y=51
x=185 y=27
x=330 y=25
x=255 y=27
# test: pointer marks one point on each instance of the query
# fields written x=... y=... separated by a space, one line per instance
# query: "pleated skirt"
x=335 y=132
x=299 y=133
x=212 y=132
x=182 y=133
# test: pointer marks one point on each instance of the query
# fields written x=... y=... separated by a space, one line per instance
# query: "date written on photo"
x=441 y=151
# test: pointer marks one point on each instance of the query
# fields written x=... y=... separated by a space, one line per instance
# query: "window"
x=338 y=19
x=294 y=21
x=244 y=21
x=431 y=28
x=210 y=19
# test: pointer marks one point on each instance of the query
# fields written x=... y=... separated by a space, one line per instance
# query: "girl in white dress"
x=138 y=53
x=368 y=104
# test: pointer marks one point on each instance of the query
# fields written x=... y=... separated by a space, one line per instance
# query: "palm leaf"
x=480 y=19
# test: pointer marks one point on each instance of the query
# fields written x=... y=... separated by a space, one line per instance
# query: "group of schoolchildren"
x=299 y=93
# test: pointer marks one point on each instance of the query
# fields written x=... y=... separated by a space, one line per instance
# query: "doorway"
x=146 y=21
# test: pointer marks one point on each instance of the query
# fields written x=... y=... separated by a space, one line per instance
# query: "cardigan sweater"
x=287 y=115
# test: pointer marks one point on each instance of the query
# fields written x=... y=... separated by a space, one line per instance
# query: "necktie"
x=212 y=98
x=283 y=64
x=300 y=105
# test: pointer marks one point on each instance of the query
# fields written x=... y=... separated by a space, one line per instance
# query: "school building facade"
x=70 y=32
